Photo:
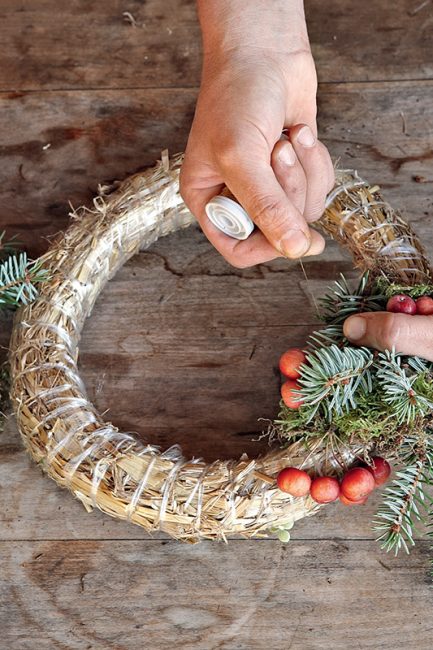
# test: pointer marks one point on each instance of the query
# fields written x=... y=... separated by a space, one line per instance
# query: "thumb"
x=411 y=335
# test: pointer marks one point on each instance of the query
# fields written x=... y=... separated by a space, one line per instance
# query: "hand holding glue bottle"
x=258 y=80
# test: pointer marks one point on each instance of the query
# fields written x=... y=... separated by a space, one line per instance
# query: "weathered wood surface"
x=82 y=44
x=183 y=348
x=63 y=144
x=251 y=594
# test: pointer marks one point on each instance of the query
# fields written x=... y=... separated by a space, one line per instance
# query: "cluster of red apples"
x=403 y=304
x=353 y=489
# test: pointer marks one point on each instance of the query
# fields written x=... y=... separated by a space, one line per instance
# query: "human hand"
x=258 y=78
x=411 y=335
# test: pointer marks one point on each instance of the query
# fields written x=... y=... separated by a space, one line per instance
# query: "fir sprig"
x=404 y=501
x=342 y=301
x=18 y=280
x=329 y=335
x=384 y=400
x=332 y=377
x=400 y=388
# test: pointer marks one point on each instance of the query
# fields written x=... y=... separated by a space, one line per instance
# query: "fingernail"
x=287 y=154
x=294 y=244
x=306 y=137
x=355 y=328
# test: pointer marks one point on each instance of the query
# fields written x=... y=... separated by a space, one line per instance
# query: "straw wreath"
x=115 y=471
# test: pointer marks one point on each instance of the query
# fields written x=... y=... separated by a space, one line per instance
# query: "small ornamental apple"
x=401 y=304
x=357 y=483
x=424 y=306
x=349 y=502
x=290 y=398
x=324 y=489
x=380 y=470
x=294 y=481
x=290 y=362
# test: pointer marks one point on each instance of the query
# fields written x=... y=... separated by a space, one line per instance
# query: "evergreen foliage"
x=384 y=400
x=332 y=378
x=19 y=276
x=19 y=279
x=402 y=387
x=405 y=501
x=341 y=302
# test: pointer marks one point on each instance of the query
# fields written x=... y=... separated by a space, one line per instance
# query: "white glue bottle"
x=229 y=216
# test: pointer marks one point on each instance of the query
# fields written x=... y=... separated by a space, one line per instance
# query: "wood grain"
x=249 y=594
x=86 y=45
x=183 y=348
x=385 y=131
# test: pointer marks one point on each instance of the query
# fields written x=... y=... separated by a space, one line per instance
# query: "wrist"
x=236 y=26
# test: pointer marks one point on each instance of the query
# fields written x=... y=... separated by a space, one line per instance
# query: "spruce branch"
x=341 y=301
x=18 y=280
x=330 y=335
x=331 y=378
x=404 y=501
x=400 y=389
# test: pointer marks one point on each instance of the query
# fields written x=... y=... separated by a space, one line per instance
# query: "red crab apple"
x=324 y=489
x=424 y=306
x=357 y=483
x=380 y=470
x=294 y=481
x=290 y=399
x=290 y=362
x=350 y=502
x=401 y=304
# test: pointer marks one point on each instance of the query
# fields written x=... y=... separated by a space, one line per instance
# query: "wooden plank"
x=314 y=596
x=63 y=144
x=383 y=131
x=154 y=44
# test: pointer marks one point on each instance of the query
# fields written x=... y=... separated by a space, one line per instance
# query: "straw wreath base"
x=114 y=471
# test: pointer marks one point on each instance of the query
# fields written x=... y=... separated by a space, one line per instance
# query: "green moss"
x=372 y=419
x=392 y=288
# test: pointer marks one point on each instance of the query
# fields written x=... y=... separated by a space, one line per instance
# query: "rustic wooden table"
x=184 y=348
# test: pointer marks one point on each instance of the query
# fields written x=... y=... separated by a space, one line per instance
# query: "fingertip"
x=303 y=134
x=317 y=244
x=355 y=328
x=295 y=243
x=283 y=154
